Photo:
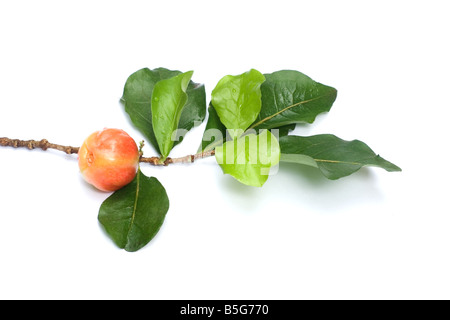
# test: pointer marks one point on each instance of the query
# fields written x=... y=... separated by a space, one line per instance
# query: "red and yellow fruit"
x=109 y=159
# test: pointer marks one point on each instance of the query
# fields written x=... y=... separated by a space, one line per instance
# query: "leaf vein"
x=283 y=110
x=133 y=215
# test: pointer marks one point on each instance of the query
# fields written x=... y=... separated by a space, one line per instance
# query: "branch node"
x=43 y=144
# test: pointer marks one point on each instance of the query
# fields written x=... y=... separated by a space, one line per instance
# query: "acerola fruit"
x=109 y=159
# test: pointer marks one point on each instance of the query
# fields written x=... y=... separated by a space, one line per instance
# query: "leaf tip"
x=186 y=79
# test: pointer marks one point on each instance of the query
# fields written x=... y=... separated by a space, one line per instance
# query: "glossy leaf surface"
x=215 y=131
x=133 y=215
x=237 y=99
x=168 y=99
x=249 y=158
x=334 y=157
x=137 y=101
x=292 y=97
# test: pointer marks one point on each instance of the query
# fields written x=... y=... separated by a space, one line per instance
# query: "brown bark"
x=44 y=145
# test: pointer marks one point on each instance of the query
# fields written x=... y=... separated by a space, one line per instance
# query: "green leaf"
x=194 y=111
x=284 y=130
x=137 y=101
x=168 y=99
x=133 y=215
x=249 y=158
x=292 y=97
x=335 y=158
x=237 y=100
x=215 y=132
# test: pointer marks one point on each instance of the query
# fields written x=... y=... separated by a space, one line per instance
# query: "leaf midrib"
x=339 y=162
x=133 y=215
x=283 y=110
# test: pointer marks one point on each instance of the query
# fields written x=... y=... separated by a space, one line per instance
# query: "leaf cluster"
x=250 y=118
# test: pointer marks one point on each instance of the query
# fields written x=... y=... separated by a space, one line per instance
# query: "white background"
x=373 y=235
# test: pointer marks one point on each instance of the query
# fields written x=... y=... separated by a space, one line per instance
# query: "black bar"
x=228 y=309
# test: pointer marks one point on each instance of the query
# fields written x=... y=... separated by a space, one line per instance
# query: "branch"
x=34 y=144
x=156 y=161
x=44 y=145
